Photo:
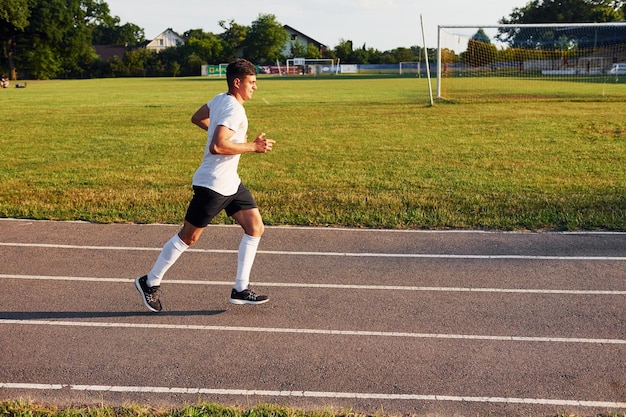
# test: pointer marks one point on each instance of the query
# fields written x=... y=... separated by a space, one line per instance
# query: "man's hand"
x=263 y=145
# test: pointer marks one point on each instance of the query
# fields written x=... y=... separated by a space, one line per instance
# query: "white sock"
x=169 y=254
x=245 y=259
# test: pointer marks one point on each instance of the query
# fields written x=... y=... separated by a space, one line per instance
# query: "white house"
x=296 y=36
x=166 y=39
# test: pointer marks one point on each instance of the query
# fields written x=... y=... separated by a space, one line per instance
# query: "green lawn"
x=29 y=409
x=357 y=152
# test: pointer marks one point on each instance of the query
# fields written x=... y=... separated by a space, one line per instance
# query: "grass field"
x=28 y=409
x=357 y=152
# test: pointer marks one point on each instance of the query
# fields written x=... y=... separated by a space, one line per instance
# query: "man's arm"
x=222 y=145
x=201 y=117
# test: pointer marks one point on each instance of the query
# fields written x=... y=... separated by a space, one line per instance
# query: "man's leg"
x=188 y=235
x=252 y=224
x=149 y=284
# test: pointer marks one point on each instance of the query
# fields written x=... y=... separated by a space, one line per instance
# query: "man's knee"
x=189 y=233
x=254 y=226
x=251 y=222
x=257 y=229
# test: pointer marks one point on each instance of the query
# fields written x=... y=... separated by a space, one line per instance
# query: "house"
x=166 y=39
x=296 y=36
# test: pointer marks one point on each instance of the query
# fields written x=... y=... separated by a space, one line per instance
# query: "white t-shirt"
x=219 y=172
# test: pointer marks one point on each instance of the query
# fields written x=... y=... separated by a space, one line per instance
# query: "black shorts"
x=206 y=204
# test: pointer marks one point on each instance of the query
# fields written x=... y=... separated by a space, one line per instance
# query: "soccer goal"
x=310 y=66
x=410 y=68
x=538 y=61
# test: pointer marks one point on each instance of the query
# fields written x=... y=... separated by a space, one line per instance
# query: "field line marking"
x=351 y=229
x=328 y=332
x=337 y=254
x=316 y=394
x=332 y=286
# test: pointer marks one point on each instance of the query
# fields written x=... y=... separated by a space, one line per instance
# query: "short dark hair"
x=239 y=68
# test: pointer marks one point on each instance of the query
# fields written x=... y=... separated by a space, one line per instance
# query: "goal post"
x=480 y=62
x=311 y=66
x=213 y=70
x=222 y=68
x=410 y=67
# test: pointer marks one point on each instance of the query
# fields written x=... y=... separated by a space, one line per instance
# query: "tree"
x=363 y=55
x=312 y=52
x=51 y=38
x=360 y=56
x=110 y=32
x=343 y=50
x=57 y=38
x=14 y=15
x=136 y=62
x=298 y=50
x=481 y=36
x=560 y=11
x=38 y=46
x=206 y=45
x=210 y=48
x=567 y=11
x=129 y=34
x=405 y=55
x=233 y=38
x=265 y=41
x=480 y=51
x=75 y=48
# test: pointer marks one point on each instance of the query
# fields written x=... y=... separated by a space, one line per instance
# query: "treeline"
x=608 y=41
x=187 y=59
x=44 y=39
x=55 y=39
x=254 y=43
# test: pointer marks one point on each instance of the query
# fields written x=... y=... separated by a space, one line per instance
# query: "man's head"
x=241 y=79
x=239 y=68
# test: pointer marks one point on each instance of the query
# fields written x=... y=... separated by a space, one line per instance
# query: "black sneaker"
x=247 y=296
x=150 y=295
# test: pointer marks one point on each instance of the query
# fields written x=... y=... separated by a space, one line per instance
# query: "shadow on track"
x=39 y=315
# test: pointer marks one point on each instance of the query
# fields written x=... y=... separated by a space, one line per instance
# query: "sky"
x=379 y=24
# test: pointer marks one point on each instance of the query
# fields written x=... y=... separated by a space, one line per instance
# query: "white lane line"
x=343 y=229
x=317 y=394
x=332 y=286
x=338 y=254
x=31 y=386
x=330 y=332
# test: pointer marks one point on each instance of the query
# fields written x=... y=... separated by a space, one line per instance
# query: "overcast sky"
x=379 y=24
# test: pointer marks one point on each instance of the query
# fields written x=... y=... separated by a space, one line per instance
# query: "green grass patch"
x=29 y=409
x=356 y=152
x=534 y=88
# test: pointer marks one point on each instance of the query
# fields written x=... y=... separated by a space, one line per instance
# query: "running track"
x=393 y=322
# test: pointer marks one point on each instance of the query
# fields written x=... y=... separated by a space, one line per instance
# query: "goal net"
x=542 y=61
x=310 y=66
x=409 y=67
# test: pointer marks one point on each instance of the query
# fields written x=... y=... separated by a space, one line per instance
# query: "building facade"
x=165 y=39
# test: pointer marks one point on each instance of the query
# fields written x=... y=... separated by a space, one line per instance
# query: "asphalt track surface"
x=388 y=322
